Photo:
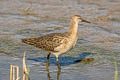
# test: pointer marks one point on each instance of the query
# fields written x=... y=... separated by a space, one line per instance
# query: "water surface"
x=101 y=37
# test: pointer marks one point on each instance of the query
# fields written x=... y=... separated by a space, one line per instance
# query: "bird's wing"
x=48 y=42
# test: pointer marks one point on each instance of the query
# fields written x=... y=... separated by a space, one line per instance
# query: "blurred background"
x=33 y=18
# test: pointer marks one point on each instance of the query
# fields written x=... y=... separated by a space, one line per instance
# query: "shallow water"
x=101 y=37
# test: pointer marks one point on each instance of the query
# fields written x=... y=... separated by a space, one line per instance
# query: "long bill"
x=85 y=21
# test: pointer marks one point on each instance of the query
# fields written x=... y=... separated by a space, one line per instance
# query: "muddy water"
x=99 y=40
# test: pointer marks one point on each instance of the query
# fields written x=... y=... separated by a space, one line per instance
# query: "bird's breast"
x=67 y=44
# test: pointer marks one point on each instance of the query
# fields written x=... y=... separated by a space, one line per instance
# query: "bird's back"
x=47 y=42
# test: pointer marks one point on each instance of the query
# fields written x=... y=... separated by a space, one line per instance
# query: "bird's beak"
x=85 y=21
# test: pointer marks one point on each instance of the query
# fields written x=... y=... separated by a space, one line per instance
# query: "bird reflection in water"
x=49 y=76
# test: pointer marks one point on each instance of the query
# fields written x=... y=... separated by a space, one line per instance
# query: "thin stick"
x=24 y=67
x=13 y=72
x=11 y=69
x=23 y=76
x=17 y=68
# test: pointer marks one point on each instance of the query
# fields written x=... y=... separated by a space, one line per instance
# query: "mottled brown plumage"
x=47 y=42
x=57 y=43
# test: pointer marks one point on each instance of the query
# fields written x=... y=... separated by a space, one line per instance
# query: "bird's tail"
x=29 y=41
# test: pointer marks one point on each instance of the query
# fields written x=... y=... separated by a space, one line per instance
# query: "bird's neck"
x=73 y=28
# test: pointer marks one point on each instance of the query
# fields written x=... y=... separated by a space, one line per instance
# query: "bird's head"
x=78 y=18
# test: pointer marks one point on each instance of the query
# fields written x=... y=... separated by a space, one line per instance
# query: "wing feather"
x=48 y=42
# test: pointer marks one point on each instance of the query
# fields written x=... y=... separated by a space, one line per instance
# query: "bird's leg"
x=58 y=74
x=58 y=65
x=47 y=67
x=47 y=63
x=59 y=68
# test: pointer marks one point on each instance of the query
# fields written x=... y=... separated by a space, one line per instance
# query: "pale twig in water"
x=116 y=71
